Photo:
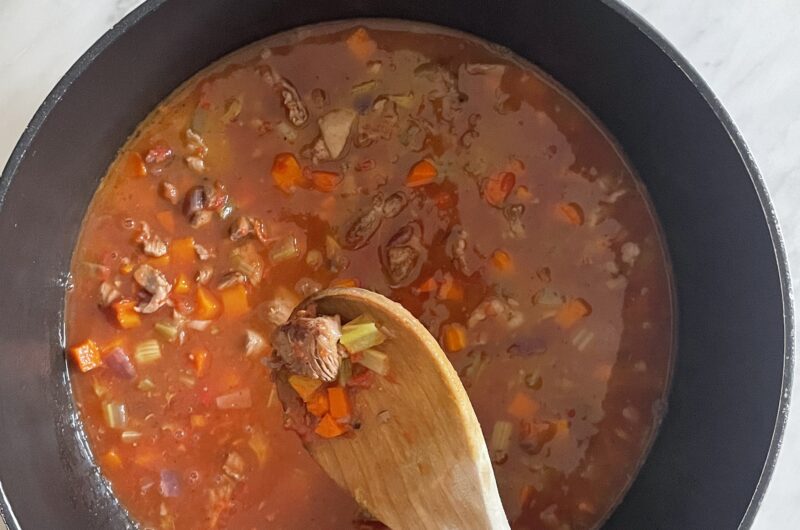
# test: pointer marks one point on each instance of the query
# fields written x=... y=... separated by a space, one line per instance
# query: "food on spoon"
x=314 y=355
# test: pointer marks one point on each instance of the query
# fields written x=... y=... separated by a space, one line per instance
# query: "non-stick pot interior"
x=706 y=463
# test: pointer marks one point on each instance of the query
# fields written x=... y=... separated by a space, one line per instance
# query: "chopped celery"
x=130 y=437
x=363 y=88
x=167 y=330
x=146 y=385
x=187 y=380
x=238 y=399
x=359 y=335
x=376 y=361
x=500 y=440
x=345 y=372
x=284 y=250
x=147 y=352
x=115 y=414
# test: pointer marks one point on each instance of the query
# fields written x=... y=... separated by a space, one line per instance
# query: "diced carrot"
x=234 y=300
x=197 y=420
x=570 y=212
x=325 y=181
x=182 y=252
x=328 y=428
x=501 y=260
x=572 y=311
x=339 y=402
x=304 y=386
x=201 y=361
x=167 y=220
x=208 y=306
x=286 y=172
x=86 y=355
x=428 y=286
x=524 y=193
x=147 y=457
x=523 y=407
x=133 y=165
x=159 y=262
x=450 y=289
x=126 y=268
x=344 y=282
x=562 y=427
x=182 y=284
x=124 y=311
x=454 y=337
x=111 y=460
x=361 y=44
x=497 y=187
x=318 y=404
x=421 y=173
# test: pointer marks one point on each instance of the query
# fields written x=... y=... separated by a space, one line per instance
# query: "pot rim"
x=649 y=32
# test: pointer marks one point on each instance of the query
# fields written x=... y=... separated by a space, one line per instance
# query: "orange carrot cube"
x=421 y=173
x=125 y=313
x=328 y=428
x=523 y=406
x=208 y=306
x=339 y=402
x=86 y=355
x=234 y=300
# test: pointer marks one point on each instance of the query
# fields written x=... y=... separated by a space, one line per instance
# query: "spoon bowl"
x=418 y=460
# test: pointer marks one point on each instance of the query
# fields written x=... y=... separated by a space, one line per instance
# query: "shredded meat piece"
x=276 y=311
x=240 y=228
x=154 y=282
x=309 y=345
x=108 y=293
x=204 y=274
x=154 y=247
x=169 y=192
x=202 y=252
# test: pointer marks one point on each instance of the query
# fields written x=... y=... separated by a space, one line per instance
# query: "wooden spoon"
x=423 y=464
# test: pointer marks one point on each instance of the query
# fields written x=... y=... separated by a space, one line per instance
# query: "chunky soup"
x=423 y=164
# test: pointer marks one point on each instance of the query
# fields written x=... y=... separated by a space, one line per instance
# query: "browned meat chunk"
x=154 y=282
x=308 y=345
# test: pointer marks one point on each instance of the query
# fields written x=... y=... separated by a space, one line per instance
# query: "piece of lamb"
x=309 y=345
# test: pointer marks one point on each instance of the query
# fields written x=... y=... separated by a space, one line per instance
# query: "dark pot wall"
x=734 y=360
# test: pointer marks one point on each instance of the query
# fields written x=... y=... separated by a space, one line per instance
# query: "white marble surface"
x=745 y=49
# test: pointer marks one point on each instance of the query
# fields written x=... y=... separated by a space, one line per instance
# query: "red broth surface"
x=423 y=164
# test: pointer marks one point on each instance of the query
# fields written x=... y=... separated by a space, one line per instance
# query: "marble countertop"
x=744 y=50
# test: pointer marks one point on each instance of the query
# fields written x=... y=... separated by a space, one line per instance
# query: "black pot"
x=715 y=453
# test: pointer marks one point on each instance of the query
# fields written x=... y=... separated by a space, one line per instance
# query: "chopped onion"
x=130 y=437
x=198 y=325
x=119 y=364
x=239 y=399
x=254 y=344
x=146 y=385
x=169 y=485
x=376 y=361
x=115 y=414
x=260 y=446
x=147 y=352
